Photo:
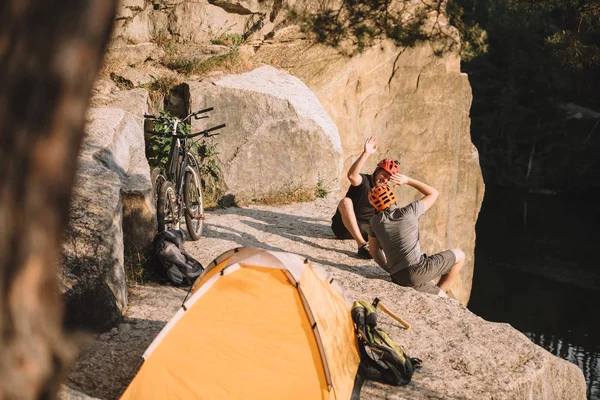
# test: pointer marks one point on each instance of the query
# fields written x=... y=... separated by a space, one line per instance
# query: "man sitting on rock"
x=395 y=230
x=354 y=212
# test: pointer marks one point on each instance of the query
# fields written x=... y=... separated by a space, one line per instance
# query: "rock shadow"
x=248 y=240
x=309 y=226
x=286 y=225
x=105 y=368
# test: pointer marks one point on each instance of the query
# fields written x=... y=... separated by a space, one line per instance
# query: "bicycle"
x=178 y=190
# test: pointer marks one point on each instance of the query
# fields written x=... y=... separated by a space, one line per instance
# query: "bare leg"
x=349 y=219
x=446 y=280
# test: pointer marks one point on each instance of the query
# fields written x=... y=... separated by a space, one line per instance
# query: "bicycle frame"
x=177 y=164
x=180 y=162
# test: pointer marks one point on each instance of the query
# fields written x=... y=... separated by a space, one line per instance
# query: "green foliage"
x=569 y=30
x=182 y=65
x=158 y=147
x=210 y=170
x=525 y=59
x=571 y=52
x=192 y=66
x=321 y=191
x=209 y=165
x=137 y=268
x=357 y=24
x=186 y=65
x=233 y=40
x=474 y=40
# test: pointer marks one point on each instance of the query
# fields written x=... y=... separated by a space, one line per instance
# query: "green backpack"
x=381 y=359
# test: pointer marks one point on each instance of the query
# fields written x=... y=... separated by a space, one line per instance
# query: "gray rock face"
x=112 y=214
x=278 y=136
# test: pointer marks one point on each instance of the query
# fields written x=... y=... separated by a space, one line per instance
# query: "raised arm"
x=354 y=171
x=430 y=193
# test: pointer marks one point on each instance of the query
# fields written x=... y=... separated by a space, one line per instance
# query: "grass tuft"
x=138 y=268
x=321 y=191
x=299 y=194
x=230 y=62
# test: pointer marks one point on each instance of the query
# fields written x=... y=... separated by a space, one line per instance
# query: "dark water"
x=537 y=267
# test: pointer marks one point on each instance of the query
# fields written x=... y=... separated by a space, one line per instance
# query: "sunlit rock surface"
x=278 y=136
x=112 y=213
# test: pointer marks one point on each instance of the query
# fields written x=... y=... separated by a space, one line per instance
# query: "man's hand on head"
x=398 y=179
x=371 y=145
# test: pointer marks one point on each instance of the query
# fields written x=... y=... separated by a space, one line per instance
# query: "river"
x=537 y=267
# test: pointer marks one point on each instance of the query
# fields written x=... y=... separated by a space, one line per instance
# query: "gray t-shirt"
x=397 y=230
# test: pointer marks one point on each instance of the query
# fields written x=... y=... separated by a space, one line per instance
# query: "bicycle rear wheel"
x=194 y=203
x=167 y=211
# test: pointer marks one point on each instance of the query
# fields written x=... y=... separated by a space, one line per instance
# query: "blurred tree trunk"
x=50 y=53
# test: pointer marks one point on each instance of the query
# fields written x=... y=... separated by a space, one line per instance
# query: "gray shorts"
x=420 y=275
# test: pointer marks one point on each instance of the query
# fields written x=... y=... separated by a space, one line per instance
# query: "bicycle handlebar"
x=214 y=128
x=200 y=112
x=194 y=114
x=204 y=132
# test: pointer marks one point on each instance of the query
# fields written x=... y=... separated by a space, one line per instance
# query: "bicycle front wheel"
x=167 y=211
x=194 y=203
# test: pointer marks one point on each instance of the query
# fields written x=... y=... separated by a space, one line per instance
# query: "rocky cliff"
x=297 y=114
x=414 y=99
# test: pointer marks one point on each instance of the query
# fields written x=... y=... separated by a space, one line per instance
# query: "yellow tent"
x=257 y=325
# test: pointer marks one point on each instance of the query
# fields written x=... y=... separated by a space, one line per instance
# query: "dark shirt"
x=360 y=199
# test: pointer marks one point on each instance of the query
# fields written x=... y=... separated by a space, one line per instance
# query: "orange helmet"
x=381 y=197
x=389 y=165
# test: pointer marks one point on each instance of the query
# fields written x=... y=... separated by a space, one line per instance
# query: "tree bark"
x=50 y=53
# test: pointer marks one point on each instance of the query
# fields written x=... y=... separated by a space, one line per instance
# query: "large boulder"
x=112 y=213
x=417 y=103
x=278 y=136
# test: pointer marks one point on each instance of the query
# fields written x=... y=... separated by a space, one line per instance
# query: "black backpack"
x=381 y=359
x=174 y=263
